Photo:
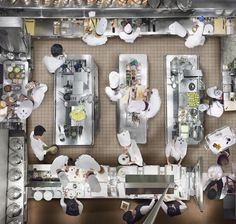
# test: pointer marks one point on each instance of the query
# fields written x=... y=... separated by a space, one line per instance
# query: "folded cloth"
x=215 y=93
x=216 y=109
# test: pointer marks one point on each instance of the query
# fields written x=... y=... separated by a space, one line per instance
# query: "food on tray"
x=78 y=114
x=193 y=99
x=7 y=88
x=17 y=69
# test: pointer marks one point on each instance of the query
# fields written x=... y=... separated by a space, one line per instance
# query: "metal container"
x=15 y=159
x=14 y=193
x=13 y=210
x=14 y=174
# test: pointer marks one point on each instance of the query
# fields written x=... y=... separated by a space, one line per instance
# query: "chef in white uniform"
x=37 y=93
x=57 y=58
x=112 y=90
x=196 y=39
x=97 y=38
x=128 y=34
x=176 y=149
x=37 y=145
x=59 y=163
x=88 y=163
x=131 y=148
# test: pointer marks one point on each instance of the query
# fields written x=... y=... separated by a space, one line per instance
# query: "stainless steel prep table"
x=138 y=133
x=81 y=83
x=183 y=78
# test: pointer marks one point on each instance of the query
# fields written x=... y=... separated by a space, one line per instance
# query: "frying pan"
x=67 y=96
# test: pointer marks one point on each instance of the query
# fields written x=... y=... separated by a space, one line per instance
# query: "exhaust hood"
x=114 y=8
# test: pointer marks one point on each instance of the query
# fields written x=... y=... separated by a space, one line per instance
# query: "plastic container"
x=38 y=195
x=48 y=195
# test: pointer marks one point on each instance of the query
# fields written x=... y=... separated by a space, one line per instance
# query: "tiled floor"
x=106 y=148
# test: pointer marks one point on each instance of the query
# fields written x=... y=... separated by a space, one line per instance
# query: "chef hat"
x=25 y=109
x=93 y=183
x=114 y=80
x=136 y=106
x=216 y=109
x=124 y=138
x=180 y=143
x=128 y=28
x=177 y=29
x=123 y=159
x=101 y=26
x=155 y=91
x=215 y=172
x=215 y=93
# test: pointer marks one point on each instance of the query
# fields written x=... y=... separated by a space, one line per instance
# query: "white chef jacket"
x=92 y=40
x=64 y=180
x=53 y=63
x=196 y=39
x=176 y=151
x=216 y=109
x=58 y=164
x=87 y=162
x=130 y=38
x=154 y=104
x=112 y=94
x=135 y=154
x=147 y=208
x=93 y=183
x=38 y=94
x=37 y=147
x=136 y=106
x=215 y=172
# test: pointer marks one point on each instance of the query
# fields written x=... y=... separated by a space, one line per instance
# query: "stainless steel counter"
x=138 y=131
x=81 y=86
x=184 y=89
x=75 y=29
x=114 y=182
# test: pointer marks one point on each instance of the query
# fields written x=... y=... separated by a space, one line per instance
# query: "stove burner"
x=16 y=144
x=191 y=86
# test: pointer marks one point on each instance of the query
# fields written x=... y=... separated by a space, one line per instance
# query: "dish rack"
x=221 y=139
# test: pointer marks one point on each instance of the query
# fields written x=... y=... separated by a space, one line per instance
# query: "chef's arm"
x=180 y=161
x=182 y=206
x=80 y=206
x=146 y=208
x=168 y=160
x=62 y=203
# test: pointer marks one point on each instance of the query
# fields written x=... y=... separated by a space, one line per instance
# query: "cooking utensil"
x=67 y=96
x=61 y=135
x=184 y=5
x=14 y=174
x=13 y=210
x=15 y=159
x=154 y=3
x=7 y=88
x=53 y=149
x=14 y=193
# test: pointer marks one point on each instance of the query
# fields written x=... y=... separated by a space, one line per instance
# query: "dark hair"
x=56 y=50
x=222 y=159
x=70 y=162
x=128 y=217
x=171 y=211
x=211 y=194
x=39 y=130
